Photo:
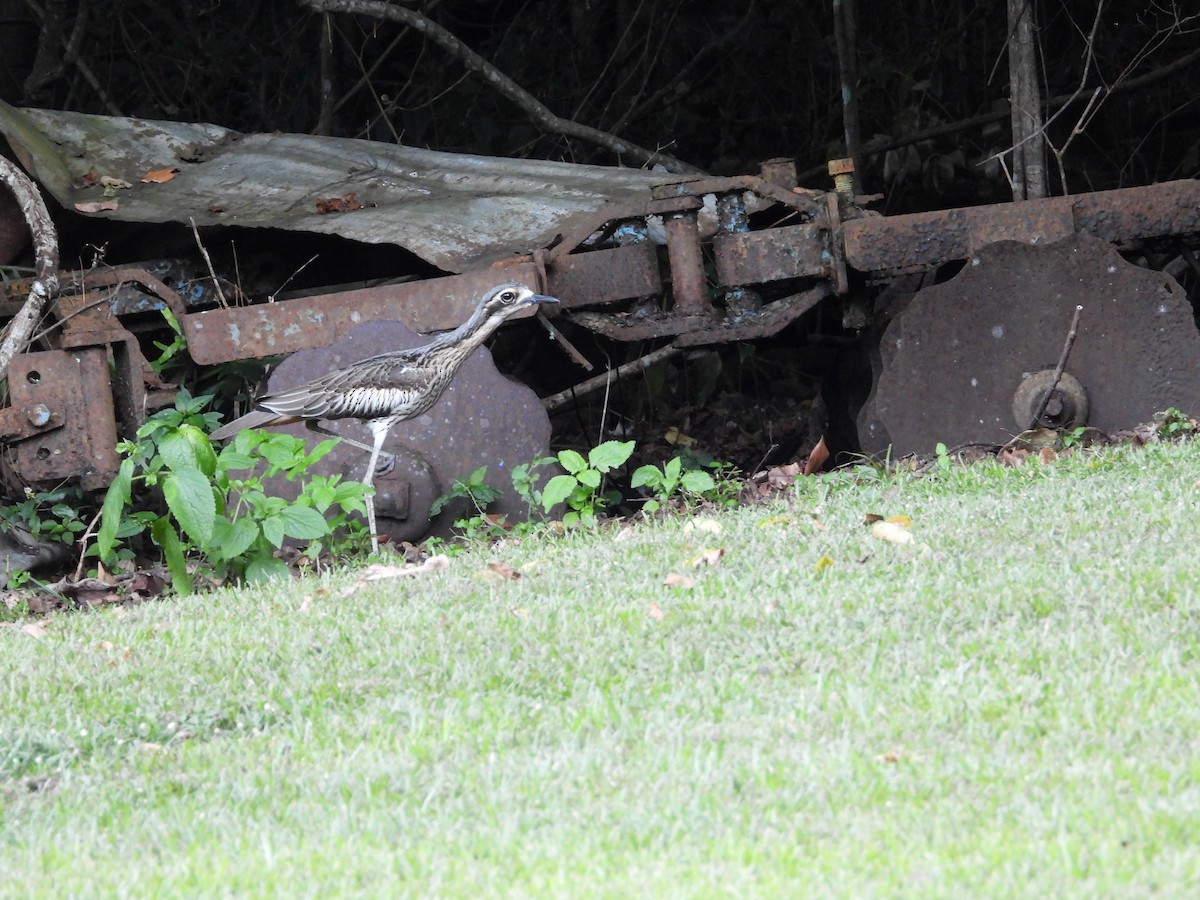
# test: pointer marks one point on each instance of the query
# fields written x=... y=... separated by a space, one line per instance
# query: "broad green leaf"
x=557 y=490
x=671 y=469
x=234 y=460
x=202 y=447
x=264 y=567
x=177 y=451
x=272 y=529
x=113 y=510
x=164 y=535
x=645 y=475
x=303 y=522
x=190 y=499
x=231 y=539
x=571 y=461
x=610 y=454
x=697 y=482
x=589 y=478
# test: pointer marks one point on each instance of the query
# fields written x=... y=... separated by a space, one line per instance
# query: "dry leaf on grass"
x=119 y=183
x=35 y=629
x=380 y=572
x=503 y=569
x=655 y=612
x=892 y=532
x=816 y=459
x=674 y=579
x=709 y=556
x=702 y=523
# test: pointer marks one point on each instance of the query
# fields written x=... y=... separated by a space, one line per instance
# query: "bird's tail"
x=255 y=419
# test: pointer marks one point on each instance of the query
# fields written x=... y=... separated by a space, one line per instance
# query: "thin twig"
x=1059 y=369
x=554 y=401
x=556 y=335
x=211 y=270
x=88 y=532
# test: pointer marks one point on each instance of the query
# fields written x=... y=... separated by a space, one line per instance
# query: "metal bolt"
x=38 y=415
x=842 y=171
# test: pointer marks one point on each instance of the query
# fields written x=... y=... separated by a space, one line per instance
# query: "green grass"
x=1009 y=706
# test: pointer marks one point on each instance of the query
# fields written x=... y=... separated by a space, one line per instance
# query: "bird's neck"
x=471 y=333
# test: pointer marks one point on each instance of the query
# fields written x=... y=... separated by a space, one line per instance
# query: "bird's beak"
x=542 y=298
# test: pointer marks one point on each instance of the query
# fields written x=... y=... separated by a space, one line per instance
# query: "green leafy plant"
x=47 y=515
x=671 y=480
x=1172 y=424
x=944 y=462
x=580 y=486
x=230 y=521
x=473 y=488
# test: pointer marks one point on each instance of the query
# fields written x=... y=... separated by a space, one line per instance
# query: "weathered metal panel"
x=69 y=389
x=456 y=211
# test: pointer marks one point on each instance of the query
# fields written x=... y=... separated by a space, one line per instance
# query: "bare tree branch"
x=45 y=243
x=508 y=88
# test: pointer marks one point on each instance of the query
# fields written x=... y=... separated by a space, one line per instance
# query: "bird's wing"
x=371 y=388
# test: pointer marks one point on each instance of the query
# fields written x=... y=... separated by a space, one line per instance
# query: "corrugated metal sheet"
x=456 y=211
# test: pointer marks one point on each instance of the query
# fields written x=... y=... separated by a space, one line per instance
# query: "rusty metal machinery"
x=739 y=259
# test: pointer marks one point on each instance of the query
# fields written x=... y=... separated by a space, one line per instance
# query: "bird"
x=390 y=387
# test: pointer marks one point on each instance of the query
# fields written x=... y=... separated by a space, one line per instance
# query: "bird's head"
x=505 y=299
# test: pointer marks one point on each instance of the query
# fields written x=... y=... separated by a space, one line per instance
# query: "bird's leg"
x=389 y=461
x=380 y=432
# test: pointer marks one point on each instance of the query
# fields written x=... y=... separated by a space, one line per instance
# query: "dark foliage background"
x=717 y=84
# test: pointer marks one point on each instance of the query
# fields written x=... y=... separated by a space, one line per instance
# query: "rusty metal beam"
x=926 y=240
x=755 y=257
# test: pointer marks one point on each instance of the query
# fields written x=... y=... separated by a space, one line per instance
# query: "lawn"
x=1009 y=705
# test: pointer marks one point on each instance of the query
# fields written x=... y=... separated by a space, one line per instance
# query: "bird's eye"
x=508 y=296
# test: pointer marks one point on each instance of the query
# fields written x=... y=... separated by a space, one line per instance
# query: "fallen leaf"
x=1046 y=456
x=1012 y=458
x=677 y=438
x=817 y=458
x=93 y=206
x=35 y=629
x=305 y=604
x=88 y=179
x=892 y=532
x=346 y=203
x=824 y=563
x=109 y=181
x=503 y=569
x=709 y=556
x=702 y=523
x=159 y=176
x=656 y=612
x=379 y=571
x=674 y=579
x=624 y=533
x=519 y=613
x=779 y=521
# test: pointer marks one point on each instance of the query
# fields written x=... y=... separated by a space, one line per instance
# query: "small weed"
x=580 y=487
x=670 y=481
x=1171 y=424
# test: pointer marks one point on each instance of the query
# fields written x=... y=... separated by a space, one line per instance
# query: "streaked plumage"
x=389 y=388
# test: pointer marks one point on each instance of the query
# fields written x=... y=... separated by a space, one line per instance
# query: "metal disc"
x=484 y=418
x=949 y=365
